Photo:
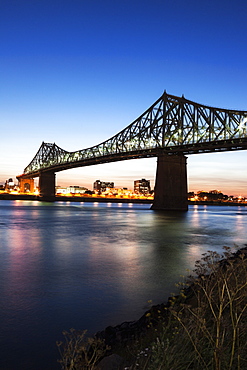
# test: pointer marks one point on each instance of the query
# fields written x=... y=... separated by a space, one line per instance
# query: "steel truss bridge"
x=172 y=126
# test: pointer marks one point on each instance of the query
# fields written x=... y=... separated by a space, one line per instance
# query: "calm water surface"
x=89 y=265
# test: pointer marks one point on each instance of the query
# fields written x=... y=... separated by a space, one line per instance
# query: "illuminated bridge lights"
x=171 y=125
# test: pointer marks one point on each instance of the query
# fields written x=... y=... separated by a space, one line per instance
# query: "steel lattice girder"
x=172 y=125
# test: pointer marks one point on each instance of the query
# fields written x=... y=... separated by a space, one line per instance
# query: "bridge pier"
x=26 y=185
x=47 y=183
x=170 y=191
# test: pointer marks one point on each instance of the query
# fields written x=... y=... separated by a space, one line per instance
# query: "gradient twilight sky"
x=76 y=72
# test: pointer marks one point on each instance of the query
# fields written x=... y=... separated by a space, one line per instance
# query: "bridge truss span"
x=172 y=125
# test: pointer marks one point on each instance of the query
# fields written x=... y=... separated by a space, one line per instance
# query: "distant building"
x=9 y=185
x=101 y=186
x=142 y=186
x=71 y=189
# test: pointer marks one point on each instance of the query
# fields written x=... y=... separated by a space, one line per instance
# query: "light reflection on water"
x=90 y=265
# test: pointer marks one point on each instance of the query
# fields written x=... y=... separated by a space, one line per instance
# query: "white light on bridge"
x=242 y=125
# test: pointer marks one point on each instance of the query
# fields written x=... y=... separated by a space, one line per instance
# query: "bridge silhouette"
x=170 y=129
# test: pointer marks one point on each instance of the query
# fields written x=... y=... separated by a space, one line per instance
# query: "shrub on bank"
x=204 y=327
x=79 y=351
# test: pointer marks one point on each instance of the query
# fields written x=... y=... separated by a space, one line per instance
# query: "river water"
x=89 y=265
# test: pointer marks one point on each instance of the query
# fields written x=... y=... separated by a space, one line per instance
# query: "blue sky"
x=76 y=72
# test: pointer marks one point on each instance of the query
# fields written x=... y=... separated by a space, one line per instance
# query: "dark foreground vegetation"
x=203 y=327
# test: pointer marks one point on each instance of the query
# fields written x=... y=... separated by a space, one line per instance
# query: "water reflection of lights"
x=122 y=256
x=122 y=260
x=239 y=220
x=194 y=253
x=25 y=251
x=195 y=216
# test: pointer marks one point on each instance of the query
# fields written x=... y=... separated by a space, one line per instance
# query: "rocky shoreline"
x=120 y=336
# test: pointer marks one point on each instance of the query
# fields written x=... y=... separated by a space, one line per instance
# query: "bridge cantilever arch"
x=170 y=129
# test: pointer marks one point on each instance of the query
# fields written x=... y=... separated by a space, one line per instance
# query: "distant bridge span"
x=170 y=129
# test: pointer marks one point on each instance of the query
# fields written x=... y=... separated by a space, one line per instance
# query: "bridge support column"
x=170 y=192
x=47 y=183
x=26 y=185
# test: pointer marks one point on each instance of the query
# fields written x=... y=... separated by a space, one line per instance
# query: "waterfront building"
x=142 y=186
x=101 y=186
x=10 y=185
x=70 y=189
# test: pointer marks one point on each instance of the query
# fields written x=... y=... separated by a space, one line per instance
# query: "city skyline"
x=76 y=73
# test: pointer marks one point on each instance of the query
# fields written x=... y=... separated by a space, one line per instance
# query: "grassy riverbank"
x=203 y=327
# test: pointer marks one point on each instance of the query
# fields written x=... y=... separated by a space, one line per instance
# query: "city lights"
x=107 y=190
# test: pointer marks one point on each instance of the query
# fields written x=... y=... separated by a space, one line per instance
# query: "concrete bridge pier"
x=47 y=183
x=170 y=191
